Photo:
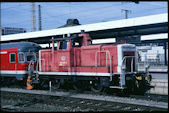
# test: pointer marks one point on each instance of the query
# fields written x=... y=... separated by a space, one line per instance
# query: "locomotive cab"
x=129 y=76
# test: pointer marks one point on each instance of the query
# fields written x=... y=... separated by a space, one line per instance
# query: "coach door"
x=13 y=64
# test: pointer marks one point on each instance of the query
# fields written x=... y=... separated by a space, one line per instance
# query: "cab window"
x=63 y=45
x=77 y=43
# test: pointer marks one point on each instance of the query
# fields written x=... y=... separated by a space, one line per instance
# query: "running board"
x=116 y=87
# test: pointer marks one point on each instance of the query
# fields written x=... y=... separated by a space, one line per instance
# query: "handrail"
x=110 y=66
x=43 y=65
x=107 y=52
x=124 y=61
x=31 y=62
x=132 y=65
x=37 y=65
x=99 y=60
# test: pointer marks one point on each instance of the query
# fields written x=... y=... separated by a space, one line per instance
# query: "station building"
x=11 y=30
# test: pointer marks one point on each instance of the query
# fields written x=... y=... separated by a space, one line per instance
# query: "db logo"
x=63 y=58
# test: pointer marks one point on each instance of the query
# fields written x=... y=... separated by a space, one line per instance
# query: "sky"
x=55 y=14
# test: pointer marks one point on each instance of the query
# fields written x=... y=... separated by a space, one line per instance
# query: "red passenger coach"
x=15 y=58
x=76 y=60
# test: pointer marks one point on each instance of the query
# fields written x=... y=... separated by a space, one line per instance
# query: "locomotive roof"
x=22 y=46
x=66 y=38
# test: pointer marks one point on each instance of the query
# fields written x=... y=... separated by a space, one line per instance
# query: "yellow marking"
x=139 y=78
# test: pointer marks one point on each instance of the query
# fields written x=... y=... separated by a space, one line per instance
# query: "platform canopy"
x=145 y=25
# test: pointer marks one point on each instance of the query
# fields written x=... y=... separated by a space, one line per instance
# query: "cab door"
x=130 y=61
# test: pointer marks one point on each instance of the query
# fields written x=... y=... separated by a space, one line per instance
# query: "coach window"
x=12 y=57
x=21 y=57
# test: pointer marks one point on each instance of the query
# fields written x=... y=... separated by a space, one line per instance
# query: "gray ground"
x=159 y=75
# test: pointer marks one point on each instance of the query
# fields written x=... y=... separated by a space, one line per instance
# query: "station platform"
x=159 y=83
x=159 y=78
x=160 y=87
x=157 y=69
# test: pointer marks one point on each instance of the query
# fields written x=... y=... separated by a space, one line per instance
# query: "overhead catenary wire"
x=47 y=18
x=62 y=14
x=94 y=14
x=133 y=12
x=77 y=12
x=84 y=11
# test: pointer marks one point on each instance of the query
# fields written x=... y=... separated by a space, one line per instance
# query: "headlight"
x=139 y=78
x=148 y=78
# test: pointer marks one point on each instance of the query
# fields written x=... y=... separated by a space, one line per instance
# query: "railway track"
x=146 y=96
x=36 y=100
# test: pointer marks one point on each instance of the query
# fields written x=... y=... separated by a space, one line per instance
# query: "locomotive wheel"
x=78 y=86
x=96 y=86
x=44 y=84
x=55 y=84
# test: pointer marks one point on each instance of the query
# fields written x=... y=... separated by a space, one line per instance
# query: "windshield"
x=30 y=56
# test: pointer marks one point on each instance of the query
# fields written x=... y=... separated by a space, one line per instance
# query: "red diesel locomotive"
x=75 y=60
x=15 y=58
